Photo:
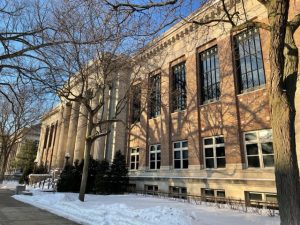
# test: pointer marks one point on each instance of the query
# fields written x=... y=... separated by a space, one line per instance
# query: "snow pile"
x=9 y=185
x=138 y=210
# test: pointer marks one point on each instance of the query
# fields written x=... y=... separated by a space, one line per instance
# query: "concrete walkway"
x=13 y=212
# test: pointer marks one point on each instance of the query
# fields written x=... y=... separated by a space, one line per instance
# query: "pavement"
x=13 y=212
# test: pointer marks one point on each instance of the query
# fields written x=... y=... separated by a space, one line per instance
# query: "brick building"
x=199 y=116
x=205 y=122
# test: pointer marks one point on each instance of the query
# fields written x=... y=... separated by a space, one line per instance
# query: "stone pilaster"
x=70 y=147
x=61 y=151
x=81 y=134
x=57 y=138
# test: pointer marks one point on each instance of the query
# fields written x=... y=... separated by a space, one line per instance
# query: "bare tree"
x=95 y=60
x=19 y=112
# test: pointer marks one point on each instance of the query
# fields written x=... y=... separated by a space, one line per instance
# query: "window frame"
x=181 y=149
x=180 y=194
x=178 y=100
x=201 y=74
x=154 y=95
x=215 y=197
x=214 y=146
x=136 y=156
x=259 y=143
x=263 y=202
x=254 y=68
x=155 y=152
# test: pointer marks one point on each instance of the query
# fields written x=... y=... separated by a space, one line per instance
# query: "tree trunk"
x=283 y=117
x=87 y=150
x=3 y=167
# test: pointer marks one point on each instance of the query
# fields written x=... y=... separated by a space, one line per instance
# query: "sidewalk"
x=13 y=212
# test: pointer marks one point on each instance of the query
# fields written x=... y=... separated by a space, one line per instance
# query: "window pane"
x=208 y=141
x=209 y=152
x=177 y=164
x=132 y=166
x=152 y=148
x=210 y=163
x=176 y=145
x=271 y=198
x=267 y=148
x=219 y=140
x=177 y=155
x=152 y=165
x=185 y=164
x=250 y=137
x=152 y=156
x=265 y=135
x=221 y=194
x=221 y=163
x=158 y=147
x=184 y=144
x=209 y=192
x=185 y=154
x=158 y=156
x=220 y=151
x=132 y=158
x=158 y=164
x=255 y=196
x=268 y=160
x=252 y=149
x=253 y=161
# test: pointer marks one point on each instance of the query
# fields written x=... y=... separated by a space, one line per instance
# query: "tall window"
x=178 y=87
x=214 y=152
x=136 y=104
x=249 y=60
x=154 y=100
x=259 y=148
x=180 y=153
x=134 y=158
x=209 y=75
x=154 y=157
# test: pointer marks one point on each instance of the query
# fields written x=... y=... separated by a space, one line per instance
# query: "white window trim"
x=181 y=149
x=137 y=153
x=155 y=152
x=264 y=195
x=259 y=142
x=214 y=146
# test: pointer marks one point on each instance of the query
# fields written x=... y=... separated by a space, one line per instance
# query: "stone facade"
x=64 y=129
x=231 y=116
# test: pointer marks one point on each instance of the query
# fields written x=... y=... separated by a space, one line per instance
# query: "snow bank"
x=138 y=210
x=9 y=185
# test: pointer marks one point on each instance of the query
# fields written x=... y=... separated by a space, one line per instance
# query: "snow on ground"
x=138 y=210
x=9 y=185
